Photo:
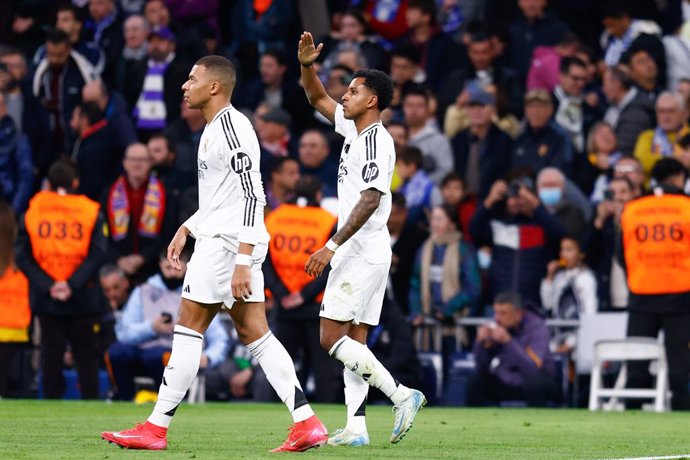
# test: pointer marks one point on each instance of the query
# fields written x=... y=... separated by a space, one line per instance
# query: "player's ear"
x=215 y=88
x=373 y=101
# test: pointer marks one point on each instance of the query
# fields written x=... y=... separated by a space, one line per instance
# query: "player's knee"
x=328 y=340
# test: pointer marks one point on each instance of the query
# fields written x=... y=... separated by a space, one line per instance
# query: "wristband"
x=243 y=259
x=307 y=65
x=332 y=245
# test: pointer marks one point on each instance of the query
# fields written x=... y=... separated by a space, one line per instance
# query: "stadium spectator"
x=643 y=72
x=678 y=66
x=481 y=71
x=16 y=163
x=155 y=101
x=405 y=241
x=416 y=186
x=445 y=282
x=145 y=331
x=103 y=29
x=405 y=68
x=284 y=176
x=660 y=142
x=552 y=189
x=29 y=116
x=452 y=192
x=185 y=135
x=139 y=214
x=533 y=28
x=114 y=109
x=622 y=32
x=569 y=291
x=94 y=152
x=631 y=169
x=315 y=160
x=157 y=13
x=482 y=152
x=57 y=83
x=136 y=32
x=116 y=289
x=440 y=54
x=602 y=156
x=541 y=144
x=60 y=245
x=518 y=340
x=522 y=234
x=300 y=223
x=261 y=26
x=388 y=20
x=15 y=313
x=600 y=246
x=629 y=112
x=163 y=158
x=438 y=155
x=275 y=139
x=572 y=111
x=545 y=66
x=659 y=290
x=70 y=22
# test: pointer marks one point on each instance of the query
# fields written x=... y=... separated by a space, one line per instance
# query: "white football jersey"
x=366 y=161
x=231 y=194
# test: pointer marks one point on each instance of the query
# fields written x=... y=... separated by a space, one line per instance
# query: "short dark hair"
x=667 y=167
x=168 y=143
x=91 y=111
x=276 y=54
x=407 y=51
x=510 y=297
x=411 y=155
x=425 y=6
x=221 y=65
x=357 y=14
x=62 y=173
x=72 y=9
x=379 y=83
x=622 y=77
x=308 y=186
x=451 y=177
x=398 y=200
x=415 y=89
x=451 y=213
x=615 y=9
x=567 y=62
x=279 y=162
x=57 y=37
x=627 y=181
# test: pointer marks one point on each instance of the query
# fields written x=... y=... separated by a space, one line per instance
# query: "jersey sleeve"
x=376 y=160
x=243 y=160
x=343 y=126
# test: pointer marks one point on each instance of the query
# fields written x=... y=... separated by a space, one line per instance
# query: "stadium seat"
x=461 y=367
x=630 y=349
x=432 y=375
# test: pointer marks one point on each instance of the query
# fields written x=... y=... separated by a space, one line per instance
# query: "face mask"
x=172 y=283
x=484 y=260
x=550 y=196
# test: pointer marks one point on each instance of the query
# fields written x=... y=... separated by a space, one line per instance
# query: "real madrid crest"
x=543 y=150
x=205 y=145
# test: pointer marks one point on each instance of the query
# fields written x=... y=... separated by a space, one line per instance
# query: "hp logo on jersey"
x=370 y=172
x=241 y=163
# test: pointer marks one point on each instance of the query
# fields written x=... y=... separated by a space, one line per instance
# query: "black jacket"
x=537 y=149
x=495 y=156
x=600 y=247
x=86 y=292
x=405 y=248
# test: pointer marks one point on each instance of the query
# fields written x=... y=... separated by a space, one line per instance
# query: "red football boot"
x=304 y=435
x=146 y=436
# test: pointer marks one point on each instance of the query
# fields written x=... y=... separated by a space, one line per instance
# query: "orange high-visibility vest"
x=15 y=313
x=296 y=233
x=656 y=242
x=60 y=228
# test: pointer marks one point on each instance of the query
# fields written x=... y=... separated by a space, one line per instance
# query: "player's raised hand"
x=306 y=51
x=318 y=261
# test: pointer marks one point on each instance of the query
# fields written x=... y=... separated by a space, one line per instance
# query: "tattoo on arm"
x=365 y=207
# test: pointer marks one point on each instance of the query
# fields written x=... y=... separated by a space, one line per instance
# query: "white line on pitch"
x=669 y=457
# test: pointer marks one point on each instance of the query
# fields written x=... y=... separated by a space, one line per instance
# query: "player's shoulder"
x=234 y=126
x=379 y=138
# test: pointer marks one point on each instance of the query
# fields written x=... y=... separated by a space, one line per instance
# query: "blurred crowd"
x=522 y=128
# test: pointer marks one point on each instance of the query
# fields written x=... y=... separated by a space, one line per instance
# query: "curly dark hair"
x=379 y=83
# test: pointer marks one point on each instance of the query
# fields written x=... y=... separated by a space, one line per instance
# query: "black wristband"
x=307 y=65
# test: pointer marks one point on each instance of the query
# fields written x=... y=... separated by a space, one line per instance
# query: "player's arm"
x=369 y=200
x=316 y=93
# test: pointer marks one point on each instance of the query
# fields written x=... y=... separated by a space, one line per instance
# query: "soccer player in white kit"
x=225 y=269
x=360 y=251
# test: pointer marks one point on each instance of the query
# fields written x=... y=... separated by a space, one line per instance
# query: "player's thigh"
x=250 y=321
x=197 y=316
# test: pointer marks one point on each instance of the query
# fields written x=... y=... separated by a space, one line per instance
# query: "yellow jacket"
x=648 y=153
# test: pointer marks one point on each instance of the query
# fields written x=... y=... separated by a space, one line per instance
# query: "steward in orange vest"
x=60 y=246
x=655 y=248
x=297 y=229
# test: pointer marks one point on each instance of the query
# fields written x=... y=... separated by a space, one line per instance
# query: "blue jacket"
x=16 y=166
x=132 y=329
x=523 y=357
x=522 y=247
x=548 y=146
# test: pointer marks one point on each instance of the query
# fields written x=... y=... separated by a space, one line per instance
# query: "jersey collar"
x=221 y=112
x=370 y=127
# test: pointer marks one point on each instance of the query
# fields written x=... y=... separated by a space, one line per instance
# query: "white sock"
x=178 y=374
x=360 y=360
x=280 y=372
x=356 y=391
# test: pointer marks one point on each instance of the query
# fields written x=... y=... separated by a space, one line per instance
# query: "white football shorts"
x=355 y=290
x=209 y=273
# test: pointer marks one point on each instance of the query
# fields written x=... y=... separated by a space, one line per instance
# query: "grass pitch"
x=71 y=430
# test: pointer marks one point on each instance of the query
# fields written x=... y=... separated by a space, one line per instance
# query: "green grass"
x=70 y=430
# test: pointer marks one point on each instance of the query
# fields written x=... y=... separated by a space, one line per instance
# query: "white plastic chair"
x=630 y=349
